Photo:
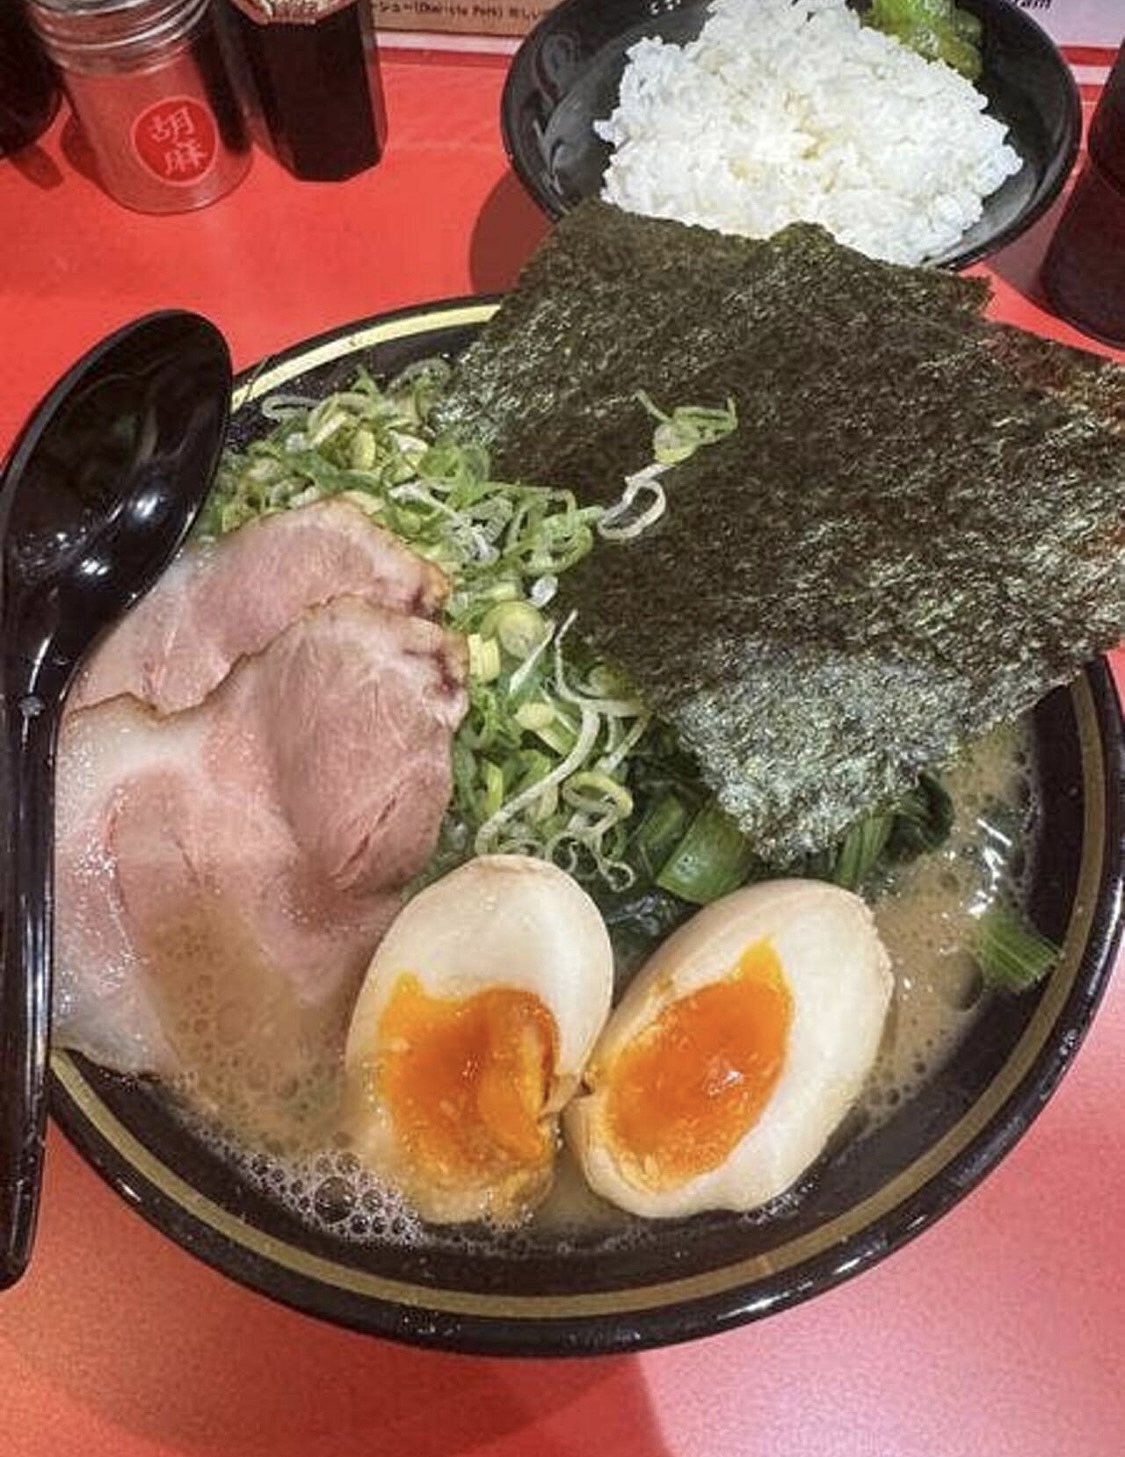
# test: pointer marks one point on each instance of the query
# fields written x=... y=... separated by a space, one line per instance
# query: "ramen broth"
x=286 y=1133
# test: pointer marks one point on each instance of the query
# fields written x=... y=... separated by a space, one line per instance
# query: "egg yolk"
x=691 y=1085
x=466 y=1080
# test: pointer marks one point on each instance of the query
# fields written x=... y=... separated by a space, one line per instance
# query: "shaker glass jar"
x=148 y=82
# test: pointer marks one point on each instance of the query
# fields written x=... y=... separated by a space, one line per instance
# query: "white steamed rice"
x=790 y=110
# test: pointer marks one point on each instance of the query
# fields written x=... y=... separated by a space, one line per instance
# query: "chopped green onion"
x=518 y=627
x=625 y=519
x=679 y=435
x=488 y=838
x=493 y=777
x=535 y=716
x=484 y=658
x=598 y=793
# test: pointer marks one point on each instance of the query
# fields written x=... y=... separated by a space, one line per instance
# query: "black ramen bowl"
x=674 y=1279
x=566 y=73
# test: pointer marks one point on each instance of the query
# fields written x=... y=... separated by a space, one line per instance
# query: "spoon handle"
x=30 y=737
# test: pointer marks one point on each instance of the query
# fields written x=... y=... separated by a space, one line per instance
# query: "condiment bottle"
x=312 y=67
x=148 y=82
x=29 y=88
x=1083 y=272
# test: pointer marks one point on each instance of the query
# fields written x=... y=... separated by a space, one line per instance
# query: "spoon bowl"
x=100 y=490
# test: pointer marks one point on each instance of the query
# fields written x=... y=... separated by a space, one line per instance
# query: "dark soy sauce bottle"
x=313 y=74
x=1083 y=273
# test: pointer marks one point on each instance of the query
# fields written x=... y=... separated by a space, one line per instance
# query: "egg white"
x=838 y=976
x=498 y=921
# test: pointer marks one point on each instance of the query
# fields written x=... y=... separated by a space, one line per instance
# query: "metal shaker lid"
x=112 y=34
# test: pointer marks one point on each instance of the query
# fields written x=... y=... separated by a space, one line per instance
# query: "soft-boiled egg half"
x=471 y=1032
x=735 y=1052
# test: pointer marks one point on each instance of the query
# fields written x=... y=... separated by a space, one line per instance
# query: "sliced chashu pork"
x=223 y=599
x=225 y=872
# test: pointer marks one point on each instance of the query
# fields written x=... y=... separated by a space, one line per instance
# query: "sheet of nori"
x=1081 y=380
x=612 y=303
x=913 y=534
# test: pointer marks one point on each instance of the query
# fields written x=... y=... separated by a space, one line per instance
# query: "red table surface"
x=999 y=1331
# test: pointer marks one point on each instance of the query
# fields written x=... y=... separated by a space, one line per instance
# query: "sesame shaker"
x=149 y=85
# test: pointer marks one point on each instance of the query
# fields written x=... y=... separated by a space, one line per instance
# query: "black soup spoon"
x=98 y=494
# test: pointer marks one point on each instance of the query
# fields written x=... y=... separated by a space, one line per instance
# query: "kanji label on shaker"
x=177 y=140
